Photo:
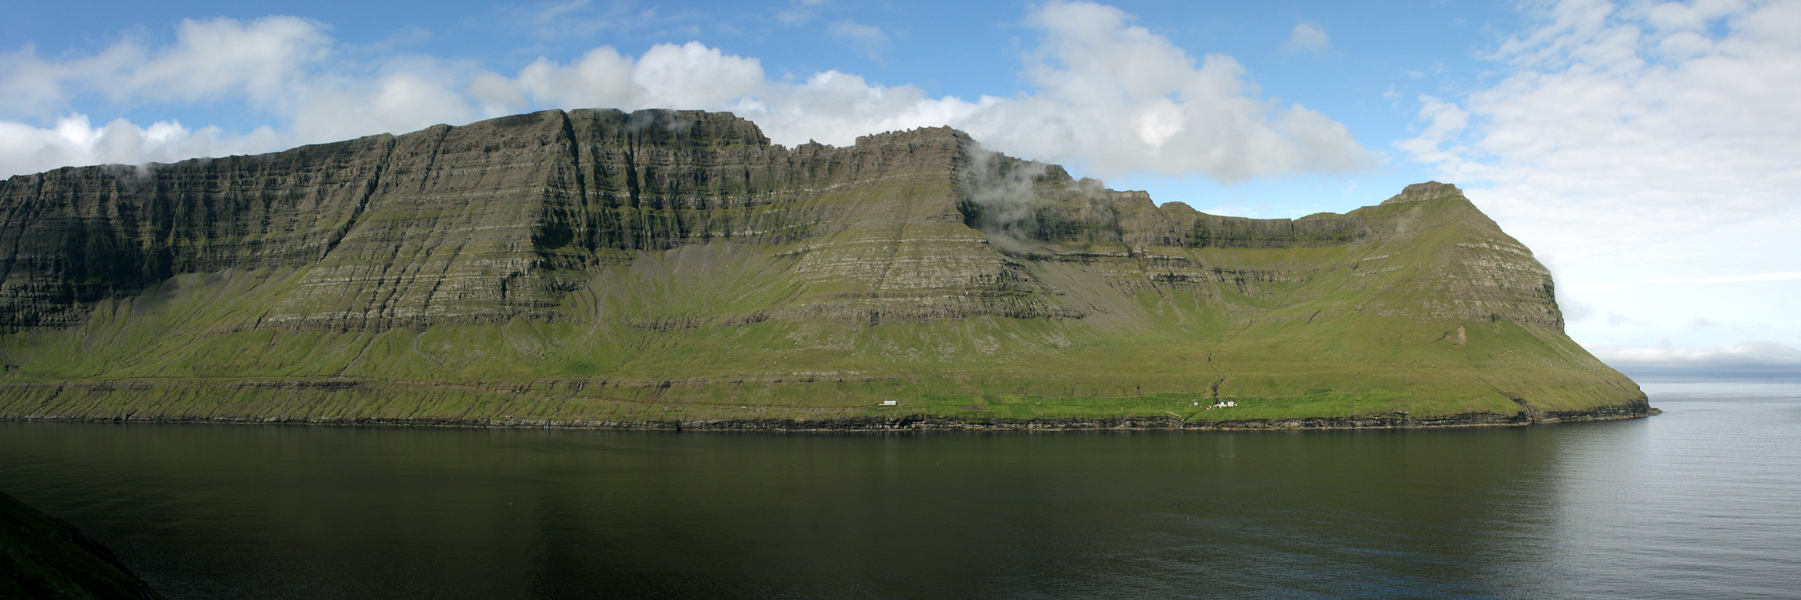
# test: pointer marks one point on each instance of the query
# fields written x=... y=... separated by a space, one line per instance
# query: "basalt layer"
x=600 y=268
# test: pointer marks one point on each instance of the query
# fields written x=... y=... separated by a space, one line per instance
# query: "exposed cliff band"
x=600 y=263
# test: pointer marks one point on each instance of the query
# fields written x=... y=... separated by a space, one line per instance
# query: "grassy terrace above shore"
x=585 y=403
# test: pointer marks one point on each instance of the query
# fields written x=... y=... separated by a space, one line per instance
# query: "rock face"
x=662 y=246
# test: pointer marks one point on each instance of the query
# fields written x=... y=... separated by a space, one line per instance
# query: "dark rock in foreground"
x=45 y=557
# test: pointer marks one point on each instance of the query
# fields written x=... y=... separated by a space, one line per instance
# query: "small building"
x=890 y=402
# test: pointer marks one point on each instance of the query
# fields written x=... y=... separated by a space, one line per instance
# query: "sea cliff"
x=674 y=268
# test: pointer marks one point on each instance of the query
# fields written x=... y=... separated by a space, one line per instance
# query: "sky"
x=1648 y=152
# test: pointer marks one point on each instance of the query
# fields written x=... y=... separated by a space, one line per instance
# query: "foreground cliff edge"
x=673 y=269
x=45 y=557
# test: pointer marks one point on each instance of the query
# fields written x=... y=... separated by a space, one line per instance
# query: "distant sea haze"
x=1696 y=503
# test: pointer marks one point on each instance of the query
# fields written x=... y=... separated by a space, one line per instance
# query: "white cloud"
x=395 y=102
x=1307 y=37
x=666 y=76
x=258 y=61
x=1642 y=118
x=1106 y=96
x=1444 y=121
x=1117 y=99
x=74 y=141
x=1112 y=97
x=831 y=107
x=279 y=66
x=261 y=60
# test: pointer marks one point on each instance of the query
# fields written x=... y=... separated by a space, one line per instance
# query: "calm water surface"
x=1704 y=501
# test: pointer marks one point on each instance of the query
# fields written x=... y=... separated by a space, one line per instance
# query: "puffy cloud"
x=1106 y=96
x=263 y=60
x=1118 y=99
x=74 y=141
x=395 y=102
x=834 y=108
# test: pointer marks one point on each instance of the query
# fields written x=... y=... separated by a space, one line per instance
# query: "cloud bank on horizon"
x=1649 y=152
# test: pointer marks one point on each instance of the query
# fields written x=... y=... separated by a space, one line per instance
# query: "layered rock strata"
x=498 y=219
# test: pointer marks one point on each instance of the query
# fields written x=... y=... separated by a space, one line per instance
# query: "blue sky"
x=1649 y=152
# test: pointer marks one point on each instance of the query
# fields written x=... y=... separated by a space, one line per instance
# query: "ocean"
x=1702 y=501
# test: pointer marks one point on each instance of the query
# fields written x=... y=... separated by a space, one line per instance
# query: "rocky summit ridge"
x=675 y=268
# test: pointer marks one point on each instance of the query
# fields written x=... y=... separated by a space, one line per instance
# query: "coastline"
x=1631 y=410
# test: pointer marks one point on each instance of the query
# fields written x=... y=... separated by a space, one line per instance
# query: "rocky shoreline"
x=1631 y=410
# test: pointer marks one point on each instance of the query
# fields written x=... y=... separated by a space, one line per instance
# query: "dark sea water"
x=1701 y=502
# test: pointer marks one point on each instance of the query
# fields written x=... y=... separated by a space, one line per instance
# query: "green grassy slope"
x=664 y=338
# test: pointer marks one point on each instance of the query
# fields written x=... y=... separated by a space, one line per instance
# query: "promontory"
x=675 y=269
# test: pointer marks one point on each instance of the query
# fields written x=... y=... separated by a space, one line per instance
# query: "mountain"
x=676 y=269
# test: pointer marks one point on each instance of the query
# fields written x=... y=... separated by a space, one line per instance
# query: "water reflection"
x=295 y=512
